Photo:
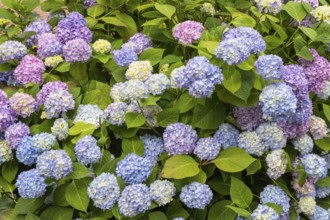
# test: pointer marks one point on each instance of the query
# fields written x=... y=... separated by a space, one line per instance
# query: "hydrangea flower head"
x=6 y=153
x=271 y=136
x=89 y=114
x=124 y=56
x=179 y=139
x=248 y=118
x=15 y=133
x=269 y=6
x=25 y=152
x=134 y=199
x=227 y=135
x=60 y=129
x=48 y=88
x=43 y=141
x=315 y=166
x=57 y=102
x=233 y=51
x=277 y=163
x=264 y=212
x=196 y=195
x=7 y=116
x=304 y=144
x=115 y=113
x=23 y=104
x=48 y=45
x=162 y=192
x=53 y=61
x=87 y=151
x=11 y=50
x=30 y=184
x=77 y=50
x=139 y=42
x=153 y=146
x=188 y=31
x=89 y=3
x=318 y=128
x=102 y=46
x=207 y=148
x=29 y=70
x=158 y=83
x=293 y=130
x=140 y=70
x=294 y=76
x=118 y=92
x=275 y=194
x=39 y=27
x=201 y=88
x=270 y=67
x=134 y=169
x=320 y=214
x=104 y=191
x=136 y=90
x=322 y=192
x=56 y=14
x=54 y=164
x=180 y=78
x=307 y=205
x=208 y=9
x=251 y=143
x=313 y=3
x=322 y=13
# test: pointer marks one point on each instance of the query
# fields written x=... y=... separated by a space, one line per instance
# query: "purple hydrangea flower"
x=303 y=112
x=188 y=31
x=270 y=67
x=11 y=50
x=87 y=151
x=49 y=45
x=115 y=113
x=139 y=42
x=7 y=114
x=48 y=88
x=30 y=184
x=153 y=146
x=23 y=104
x=318 y=128
x=39 y=27
x=307 y=189
x=30 y=70
x=294 y=76
x=248 y=118
x=315 y=166
x=275 y=194
x=293 y=130
x=25 y=152
x=15 y=133
x=196 y=195
x=201 y=88
x=57 y=102
x=179 y=139
x=251 y=143
x=227 y=135
x=207 y=148
x=77 y=50
x=89 y=3
x=124 y=56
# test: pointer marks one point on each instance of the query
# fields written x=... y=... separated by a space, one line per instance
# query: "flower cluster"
x=247 y=119
x=207 y=148
x=7 y=113
x=11 y=50
x=275 y=194
x=57 y=102
x=250 y=142
x=6 y=153
x=320 y=214
x=31 y=184
x=30 y=70
x=60 y=129
x=162 y=192
x=208 y=8
x=318 y=128
x=264 y=212
x=307 y=205
x=196 y=195
x=277 y=163
x=322 y=13
x=153 y=146
x=188 y=31
x=89 y=3
x=23 y=104
x=227 y=135
x=315 y=166
x=157 y=84
x=48 y=88
x=269 y=6
x=39 y=27
x=89 y=114
x=140 y=70
x=77 y=50
x=43 y=141
x=270 y=67
x=271 y=136
x=15 y=133
x=102 y=46
x=48 y=45
x=53 y=61
x=87 y=151
x=25 y=152
x=115 y=113
x=304 y=144
x=294 y=76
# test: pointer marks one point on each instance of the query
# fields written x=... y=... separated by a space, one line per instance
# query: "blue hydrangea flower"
x=56 y=14
x=162 y=192
x=278 y=102
x=77 y=50
x=277 y=163
x=207 y=148
x=25 y=152
x=315 y=166
x=294 y=76
x=269 y=6
x=179 y=79
x=39 y=27
x=275 y=194
x=264 y=212
x=303 y=144
x=30 y=184
x=270 y=67
x=227 y=135
x=179 y=139
x=325 y=92
x=196 y=195
x=233 y=51
x=139 y=42
x=43 y=141
x=12 y=50
x=15 y=133
x=271 y=136
x=60 y=129
x=320 y=214
x=158 y=83
x=251 y=143
x=134 y=199
x=201 y=88
x=303 y=112
x=118 y=92
x=6 y=153
x=89 y=114
x=115 y=113
x=87 y=151
x=57 y=102
x=134 y=169
x=8 y=78
x=89 y=3
x=124 y=56
x=179 y=218
x=153 y=146
x=322 y=192
x=49 y=45
x=307 y=205
x=104 y=191
x=135 y=90
x=318 y=128
x=54 y=164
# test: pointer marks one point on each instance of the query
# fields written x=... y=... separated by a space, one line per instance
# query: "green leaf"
x=167 y=10
x=6 y=14
x=29 y=5
x=179 y=167
x=242 y=20
x=106 y=165
x=168 y=116
x=301 y=48
x=234 y=82
x=220 y=211
x=45 y=126
x=154 y=55
x=324 y=182
x=254 y=167
x=157 y=216
x=57 y=213
x=134 y=120
x=59 y=196
x=324 y=143
x=273 y=42
x=233 y=160
x=76 y=194
x=81 y=127
x=151 y=100
x=175 y=209
x=295 y=10
x=209 y=116
x=24 y=206
x=133 y=145
x=31 y=216
x=170 y=59
x=7 y=187
x=240 y=194
x=79 y=171
x=326 y=111
x=155 y=22
x=241 y=212
x=125 y=24
x=277 y=208
x=78 y=71
x=63 y=67
x=185 y=102
x=95 y=10
x=9 y=170
x=309 y=32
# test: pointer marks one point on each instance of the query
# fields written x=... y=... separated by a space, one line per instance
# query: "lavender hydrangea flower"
x=89 y=114
x=60 y=129
x=48 y=88
x=102 y=46
x=227 y=135
x=325 y=92
x=124 y=56
x=303 y=144
x=115 y=113
x=251 y=143
x=278 y=102
x=134 y=199
x=15 y=133
x=72 y=27
x=11 y=50
x=87 y=151
x=318 y=128
x=271 y=136
x=207 y=148
x=277 y=163
x=158 y=83
x=104 y=190
x=89 y=3
x=320 y=214
x=307 y=205
x=307 y=189
x=6 y=153
x=54 y=164
x=140 y=70
x=270 y=67
x=269 y=6
x=43 y=141
x=196 y=195
x=201 y=88
x=39 y=27
x=25 y=152
x=30 y=184
x=57 y=102
x=139 y=42
x=263 y=212
x=7 y=116
x=293 y=130
x=23 y=104
x=315 y=166
x=248 y=118
x=188 y=31
x=153 y=146
x=162 y=192
x=56 y=14
x=179 y=139
x=313 y=3
x=77 y=50
x=48 y=45
x=180 y=78
x=294 y=76
x=275 y=194
x=29 y=70
x=134 y=169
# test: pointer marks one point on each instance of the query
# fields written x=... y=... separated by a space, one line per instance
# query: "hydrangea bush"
x=165 y=109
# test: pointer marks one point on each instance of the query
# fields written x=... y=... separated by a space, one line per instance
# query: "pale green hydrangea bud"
x=102 y=46
x=208 y=8
x=53 y=61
